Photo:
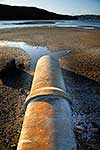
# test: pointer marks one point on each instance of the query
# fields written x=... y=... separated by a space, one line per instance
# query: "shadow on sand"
x=15 y=76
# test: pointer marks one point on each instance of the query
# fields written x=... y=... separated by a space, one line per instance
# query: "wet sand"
x=75 y=39
x=81 y=71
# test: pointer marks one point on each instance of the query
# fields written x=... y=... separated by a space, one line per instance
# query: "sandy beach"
x=81 y=72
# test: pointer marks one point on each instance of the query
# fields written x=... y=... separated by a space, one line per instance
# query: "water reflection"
x=34 y=52
x=50 y=23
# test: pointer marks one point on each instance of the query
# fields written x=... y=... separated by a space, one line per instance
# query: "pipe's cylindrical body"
x=47 y=123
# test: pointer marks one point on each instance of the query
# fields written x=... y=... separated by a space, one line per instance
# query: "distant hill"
x=8 y=12
x=88 y=17
x=29 y=13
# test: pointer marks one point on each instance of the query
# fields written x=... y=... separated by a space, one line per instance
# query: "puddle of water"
x=34 y=52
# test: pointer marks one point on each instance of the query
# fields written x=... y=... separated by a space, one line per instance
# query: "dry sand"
x=81 y=71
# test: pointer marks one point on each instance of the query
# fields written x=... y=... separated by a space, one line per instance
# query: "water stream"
x=34 y=52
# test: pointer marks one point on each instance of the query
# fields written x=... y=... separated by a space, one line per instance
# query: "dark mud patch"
x=8 y=54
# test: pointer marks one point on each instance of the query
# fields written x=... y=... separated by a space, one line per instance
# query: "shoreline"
x=82 y=24
x=54 y=27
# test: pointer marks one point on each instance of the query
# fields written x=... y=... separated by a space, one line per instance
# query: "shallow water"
x=50 y=23
x=34 y=52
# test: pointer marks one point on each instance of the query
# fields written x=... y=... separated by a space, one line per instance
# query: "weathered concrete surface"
x=47 y=123
x=47 y=126
x=47 y=78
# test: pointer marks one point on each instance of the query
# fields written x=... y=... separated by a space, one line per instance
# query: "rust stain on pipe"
x=47 y=123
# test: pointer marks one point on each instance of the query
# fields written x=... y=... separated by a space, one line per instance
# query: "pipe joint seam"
x=44 y=98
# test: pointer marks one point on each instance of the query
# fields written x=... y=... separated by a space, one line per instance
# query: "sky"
x=67 y=7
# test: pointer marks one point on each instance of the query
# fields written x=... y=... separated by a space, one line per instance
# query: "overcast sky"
x=71 y=7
